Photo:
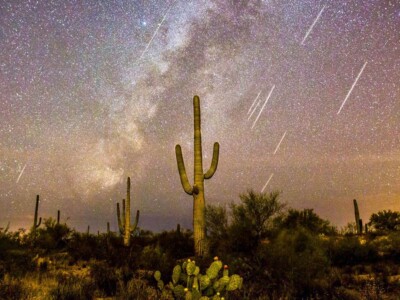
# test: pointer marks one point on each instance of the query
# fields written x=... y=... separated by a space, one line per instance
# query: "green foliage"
x=350 y=251
x=53 y=235
x=217 y=228
x=252 y=219
x=385 y=221
x=71 y=288
x=188 y=283
x=11 y=288
x=104 y=277
x=306 y=219
x=296 y=259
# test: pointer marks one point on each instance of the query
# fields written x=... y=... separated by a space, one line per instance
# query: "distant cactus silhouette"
x=124 y=225
x=197 y=189
x=36 y=224
x=359 y=223
x=58 y=217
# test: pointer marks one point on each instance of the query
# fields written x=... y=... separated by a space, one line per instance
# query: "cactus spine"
x=124 y=224
x=359 y=223
x=197 y=189
x=36 y=224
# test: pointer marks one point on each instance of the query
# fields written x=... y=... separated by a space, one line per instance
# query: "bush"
x=71 y=288
x=348 y=251
x=297 y=263
x=104 y=277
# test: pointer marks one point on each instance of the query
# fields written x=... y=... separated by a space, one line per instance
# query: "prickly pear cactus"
x=188 y=283
x=176 y=273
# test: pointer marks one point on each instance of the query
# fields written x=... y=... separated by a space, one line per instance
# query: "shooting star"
x=352 y=87
x=312 y=26
x=277 y=147
x=156 y=31
x=262 y=108
x=20 y=174
x=270 y=177
x=254 y=102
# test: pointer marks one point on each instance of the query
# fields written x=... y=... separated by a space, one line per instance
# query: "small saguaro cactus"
x=124 y=225
x=58 y=217
x=359 y=225
x=197 y=189
x=36 y=224
x=108 y=227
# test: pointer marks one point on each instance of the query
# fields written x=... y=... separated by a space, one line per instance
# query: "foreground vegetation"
x=276 y=252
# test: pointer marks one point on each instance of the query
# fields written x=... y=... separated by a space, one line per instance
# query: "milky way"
x=95 y=91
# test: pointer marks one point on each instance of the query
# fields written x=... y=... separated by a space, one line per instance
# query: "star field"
x=93 y=92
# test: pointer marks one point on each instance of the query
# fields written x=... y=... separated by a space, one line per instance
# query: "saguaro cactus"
x=58 y=217
x=124 y=225
x=36 y=224
x=359 y=223
x=197 y=189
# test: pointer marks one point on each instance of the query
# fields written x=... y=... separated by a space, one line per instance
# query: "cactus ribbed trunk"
x=36 y=224
x=197 y=190
x=127 y=233
x=124 y=223
x=199 y=226
x=357 y=218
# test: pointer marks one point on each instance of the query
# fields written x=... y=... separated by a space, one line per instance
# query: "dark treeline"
x=280 y=252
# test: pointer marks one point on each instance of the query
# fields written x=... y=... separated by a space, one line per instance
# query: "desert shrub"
x=153 y=258
x=176 y=244
x=217 y=229
x=104 y=277
x=306 y=219
x=71 y=288
x=52 y=236
x=84 y=246
x=252 y=220
x=349 y=251
x=137 y=289
x=12 y=288
x=385 y=221
x=296 y=262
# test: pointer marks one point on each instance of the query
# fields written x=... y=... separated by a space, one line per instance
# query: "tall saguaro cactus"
x=359 y=223
x=124 y=224
x=197 y=189
x=36 y=224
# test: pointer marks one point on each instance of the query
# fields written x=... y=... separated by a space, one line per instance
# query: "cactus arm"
x=133 y=227
x=214 y=162
x=127 y=223
x=120 y=227
x=123 y=212
x=182 y=171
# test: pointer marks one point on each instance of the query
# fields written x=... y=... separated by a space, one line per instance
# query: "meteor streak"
x=155 y=32
x=20 y=174
x=254 y=102
x=262 y=108
x=270 y=177
x=312 y=26
x=352 y=87
x=277 y=147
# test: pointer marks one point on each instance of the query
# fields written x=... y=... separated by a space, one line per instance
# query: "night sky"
x=94 y=91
